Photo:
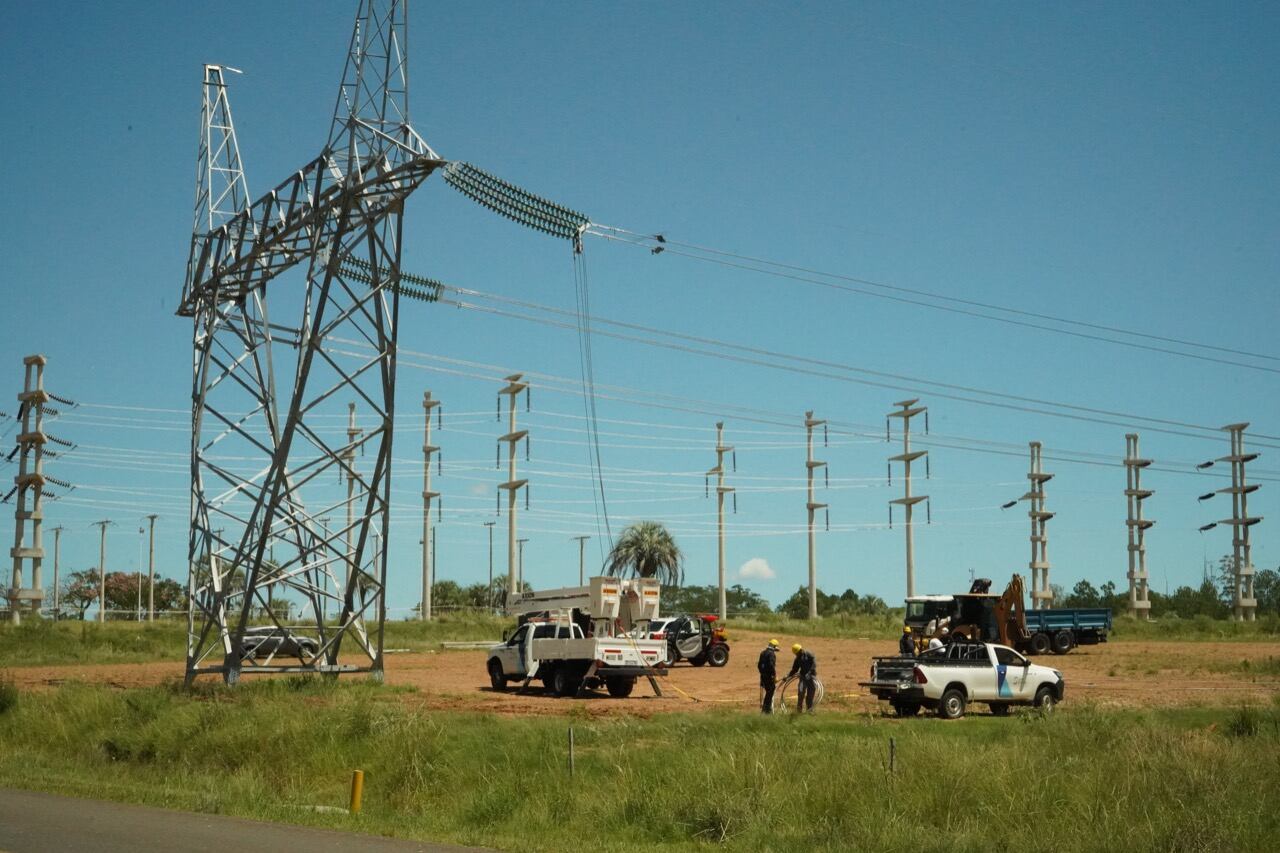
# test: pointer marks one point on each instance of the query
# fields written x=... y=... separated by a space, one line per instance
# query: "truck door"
x=1011 y=673
x=515 y=655
x=689 y=638
x=980 y=671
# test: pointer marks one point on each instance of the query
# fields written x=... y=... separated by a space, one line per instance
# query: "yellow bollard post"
x=357 y=790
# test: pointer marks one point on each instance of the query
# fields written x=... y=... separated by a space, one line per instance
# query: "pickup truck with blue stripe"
x=947 y=680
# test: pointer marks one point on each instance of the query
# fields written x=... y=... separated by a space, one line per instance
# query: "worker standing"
x=768 y=666
x=906 y=646
x=806 y=668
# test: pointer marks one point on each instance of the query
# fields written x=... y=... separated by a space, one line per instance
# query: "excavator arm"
x=1010 y=613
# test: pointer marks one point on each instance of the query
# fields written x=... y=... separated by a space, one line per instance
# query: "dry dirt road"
x=1124 y=674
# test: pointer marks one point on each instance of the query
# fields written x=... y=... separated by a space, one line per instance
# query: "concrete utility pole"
x=349 y=457
x=810 y=464
x=1139 y=598
x=582 y=554
x=428 y=449
x=57 y=549
x=908 y=410
x=721 y=491
x=151 y=569
x=513 y=389
x=1041 y=594
x=1244 y=604
x=520 y=570
x=102 y=569
x=29 y=481
x=489 y=599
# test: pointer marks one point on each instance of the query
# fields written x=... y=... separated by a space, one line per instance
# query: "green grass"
x=1266 y=629
x=884 y=627
x=41 y=642
x=1083 y=779
x=46 y=643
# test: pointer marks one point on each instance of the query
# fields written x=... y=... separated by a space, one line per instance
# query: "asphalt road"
x=45 y=823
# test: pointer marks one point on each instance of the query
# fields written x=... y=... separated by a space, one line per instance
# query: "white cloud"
x=757 y=568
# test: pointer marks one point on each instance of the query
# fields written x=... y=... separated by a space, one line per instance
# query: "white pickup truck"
x=583 y=637
x=948 y=679
x=563 y=659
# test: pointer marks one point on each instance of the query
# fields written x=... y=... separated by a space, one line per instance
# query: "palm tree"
x=646 y=549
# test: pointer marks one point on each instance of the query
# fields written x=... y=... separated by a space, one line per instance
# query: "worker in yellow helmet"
x=907 y=645
x=768 y=666
x=806 y=670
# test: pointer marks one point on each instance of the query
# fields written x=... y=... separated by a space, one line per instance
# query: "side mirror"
x=1026 y=662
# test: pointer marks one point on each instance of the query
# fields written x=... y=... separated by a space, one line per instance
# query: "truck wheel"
x=1046 y=699
x=999 y=709
x=563 y=682
x=951 y=705
x=718 y=655
x=620 y=688
x=1062 y=642
x=1040 y=643
x=497 y=680
x=699 y=660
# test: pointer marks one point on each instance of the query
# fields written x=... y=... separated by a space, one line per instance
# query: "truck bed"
x=1069 y=619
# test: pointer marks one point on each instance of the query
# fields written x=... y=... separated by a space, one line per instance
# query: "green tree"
x=847 y=602
x=1084 y=594
x=1266 y=589
x=646 y=549
x=79 y=590
x=705 y=599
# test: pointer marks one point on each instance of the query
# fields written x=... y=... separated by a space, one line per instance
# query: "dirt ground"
x=1125 y=674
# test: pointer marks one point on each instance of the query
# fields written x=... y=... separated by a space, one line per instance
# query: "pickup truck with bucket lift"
x=980 y=615
x=948 y=679
x=580 y=638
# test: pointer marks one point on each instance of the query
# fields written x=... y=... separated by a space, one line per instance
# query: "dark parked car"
x=266 y=641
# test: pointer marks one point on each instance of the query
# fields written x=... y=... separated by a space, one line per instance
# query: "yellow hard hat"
x=796 y=649
x=773 y=644
x=906 y=629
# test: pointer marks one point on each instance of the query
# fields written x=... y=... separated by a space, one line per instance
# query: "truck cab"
x=514 y=655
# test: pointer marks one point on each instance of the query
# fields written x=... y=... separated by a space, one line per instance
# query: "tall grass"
x=41 y=642
x=1082 y=779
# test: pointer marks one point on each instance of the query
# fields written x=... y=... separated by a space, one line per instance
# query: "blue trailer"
x=1062 y=630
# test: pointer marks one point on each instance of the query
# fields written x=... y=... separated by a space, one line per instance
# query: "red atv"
x=697 y=639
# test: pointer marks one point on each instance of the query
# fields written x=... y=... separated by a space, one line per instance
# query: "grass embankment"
x=1124 y=627
x=47 y=643
x=1082 y=779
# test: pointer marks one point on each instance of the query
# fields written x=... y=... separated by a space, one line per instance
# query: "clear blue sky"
x=1110 y=163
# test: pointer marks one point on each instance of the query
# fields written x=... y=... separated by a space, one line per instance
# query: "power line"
x=1030 y=402
x=664 y=245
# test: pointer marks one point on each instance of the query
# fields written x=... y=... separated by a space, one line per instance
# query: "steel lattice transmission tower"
x=258 y=446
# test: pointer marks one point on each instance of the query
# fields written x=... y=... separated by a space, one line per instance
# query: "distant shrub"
x=1243 y=722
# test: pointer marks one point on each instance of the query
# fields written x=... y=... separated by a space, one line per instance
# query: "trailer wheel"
x=1046 y=699
x=620 y=688
x=951 y=705
x=718 y=655
x=1062 y=642
x=497 y=680
x=1040 y=644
